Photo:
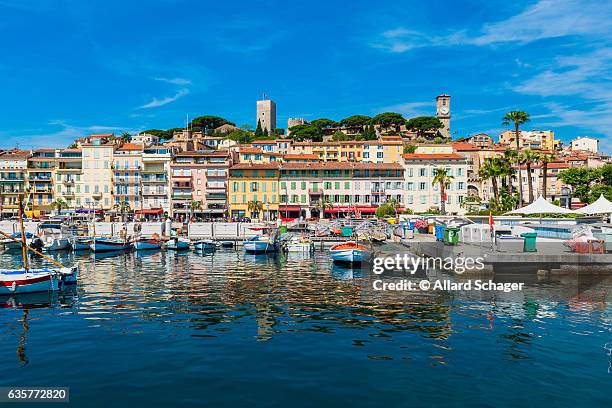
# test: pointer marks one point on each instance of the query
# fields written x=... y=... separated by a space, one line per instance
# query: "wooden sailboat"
x=27 y=280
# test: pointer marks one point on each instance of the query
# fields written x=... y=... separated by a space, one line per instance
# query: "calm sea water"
x=185 y=329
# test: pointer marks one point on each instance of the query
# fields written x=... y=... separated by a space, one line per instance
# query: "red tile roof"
x=256 y=166
x=433 y=156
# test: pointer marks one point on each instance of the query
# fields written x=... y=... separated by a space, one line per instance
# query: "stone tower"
x=266 y=114
x=443 y=113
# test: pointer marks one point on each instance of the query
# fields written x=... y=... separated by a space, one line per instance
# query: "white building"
x=145 y=139
x=585 y=143
x=419 y=172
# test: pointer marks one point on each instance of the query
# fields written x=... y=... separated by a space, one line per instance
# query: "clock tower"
x=443 y=113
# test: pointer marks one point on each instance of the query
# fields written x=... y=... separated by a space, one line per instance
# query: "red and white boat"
x=36 y=280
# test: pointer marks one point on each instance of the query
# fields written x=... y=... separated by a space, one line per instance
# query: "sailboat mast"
x=24 y=251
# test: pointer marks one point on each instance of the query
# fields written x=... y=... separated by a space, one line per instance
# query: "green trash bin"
x=347 y=231
x=529 y=241
x=451 y=236
x=282 y=229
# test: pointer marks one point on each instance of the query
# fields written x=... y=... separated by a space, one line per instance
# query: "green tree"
x=206 y=123
x=306 y=132
x=125 y=137
x=240 y=136
x=491 y=170
x=385 y=210
x=424 y=124
x=388 y=120
x=580 y=179
x=324 y=123
x=122 y=207
x=471 y=203
x=443 y=179
x=355 y=121
x=194 y=205
x=340 y=136
x=59 y=205
x=258 y=131
x=73 y=146
x=279 y=132
x=517 y=118
x=255 y=208
x=369 y=133
x=606 y=174
x=322 y=205
x=409 y=149
x=599 y=189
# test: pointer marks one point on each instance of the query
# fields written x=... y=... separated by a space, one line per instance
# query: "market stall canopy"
x=541 y=206
x=601 y=206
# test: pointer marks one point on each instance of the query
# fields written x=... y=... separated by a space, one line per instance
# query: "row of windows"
x=426 y=171
x=424 y=199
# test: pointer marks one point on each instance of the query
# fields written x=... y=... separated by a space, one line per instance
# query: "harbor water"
x=164 y=329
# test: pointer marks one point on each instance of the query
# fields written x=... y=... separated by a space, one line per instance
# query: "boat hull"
x=148 y=244
x=205 y=245
x=259 y=247
x=32 y=281
x=177 y=245
x=349 y=255
x=56 y=244
x=99 y=245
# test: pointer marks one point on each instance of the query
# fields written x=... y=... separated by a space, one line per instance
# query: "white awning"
x=601 y=206
x=541 y=206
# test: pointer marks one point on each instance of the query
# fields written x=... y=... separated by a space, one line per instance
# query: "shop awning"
x=369 y=210
x=289 y=208
x=150 y=212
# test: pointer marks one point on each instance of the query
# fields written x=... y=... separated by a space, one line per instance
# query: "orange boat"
x=350 y=252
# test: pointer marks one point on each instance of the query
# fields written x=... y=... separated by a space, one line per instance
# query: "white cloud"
x=174 y=81
x=545 y=19
x=155 y=103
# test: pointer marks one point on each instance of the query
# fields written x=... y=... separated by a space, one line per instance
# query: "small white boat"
x=205 y=245
x=300 y=244
x=349 y=252
x=54 y=237
x=266 y=242
x=143 y=244
x=109 y=244
x=36 y=280
x=177 y=243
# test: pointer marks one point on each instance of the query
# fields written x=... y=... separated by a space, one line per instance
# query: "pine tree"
x=258 y=131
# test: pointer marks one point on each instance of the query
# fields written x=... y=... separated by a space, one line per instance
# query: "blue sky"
x=70 y=68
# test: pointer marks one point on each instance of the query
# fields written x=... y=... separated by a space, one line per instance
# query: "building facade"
x=13 y=173
x=266 y=115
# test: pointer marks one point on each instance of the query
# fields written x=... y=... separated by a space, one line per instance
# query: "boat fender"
x=13 y=286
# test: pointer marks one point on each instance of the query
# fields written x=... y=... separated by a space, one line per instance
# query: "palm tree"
x=194 y=205
x=509 y=158
x=59 y=205
x=126 y=137
x=491 y=170
x=545 y=158
x=529 y=157
x=322 y=205
x=122 y=208
x=255 y=207
x=443 y=179
x=394 y=204
x=517 y=118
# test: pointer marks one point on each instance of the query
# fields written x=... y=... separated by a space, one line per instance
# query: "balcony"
x=216 y=196
x=181 y=196
x=68 y=182
x=184 y=184
x=40 y=177
x=68 y=193
x=154 y=180
x=154 y=193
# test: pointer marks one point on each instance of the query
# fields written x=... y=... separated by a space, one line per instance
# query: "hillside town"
x=213 y=170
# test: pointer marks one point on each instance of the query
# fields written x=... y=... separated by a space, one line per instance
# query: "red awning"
x=150 y=212
x=289 y=208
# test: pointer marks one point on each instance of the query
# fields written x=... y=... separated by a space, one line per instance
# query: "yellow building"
x=41 y=167
x=530 y=139
x=433 y=148
x=253 y=190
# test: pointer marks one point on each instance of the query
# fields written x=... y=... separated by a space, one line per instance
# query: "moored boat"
x=80 y=243
x=10 y=244
x=147 y=244
x=349 y=252
x=266 y=242
x=205 y=245
x=177 y=244
x=55 y=237
x=28 y=281
x=300 y=244
x=109 y=244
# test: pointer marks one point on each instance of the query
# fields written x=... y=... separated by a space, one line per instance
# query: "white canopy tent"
x=601 y=206
x=541 y=206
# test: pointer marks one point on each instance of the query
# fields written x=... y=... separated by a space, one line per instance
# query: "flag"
x=491 y=220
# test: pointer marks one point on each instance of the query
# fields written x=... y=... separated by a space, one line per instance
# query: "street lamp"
x=565 y=199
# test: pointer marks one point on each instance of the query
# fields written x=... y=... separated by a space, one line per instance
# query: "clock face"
x=444 y=110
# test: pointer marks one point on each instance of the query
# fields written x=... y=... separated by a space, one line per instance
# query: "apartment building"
x=41 y=169
x=251 y=183
x=155 y=181
x=421 y=194
x=97 y=176
x=68 y=177
x=346 y=188
x=13 y=173
x=127 y=168
x=530 y=139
